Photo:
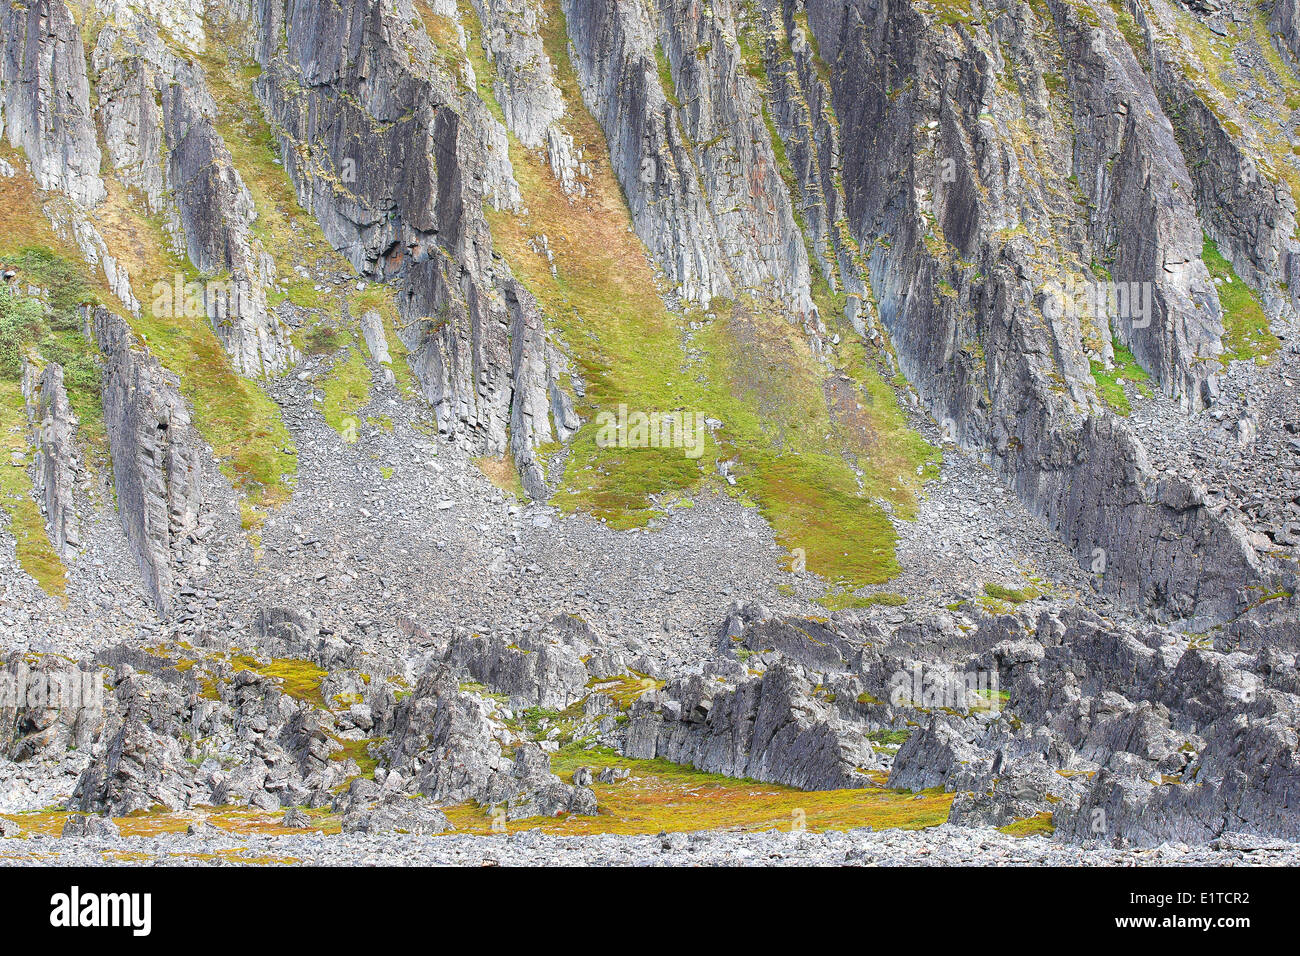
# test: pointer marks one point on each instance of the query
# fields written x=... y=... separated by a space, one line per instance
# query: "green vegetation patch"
x=36 y=555
x=346 y=390
x=1011 y=595
x=666 y=75
x=298 y=679
x=1125 y=369
x=1246 y=333
x=1038 y=825
x=665 y=797
x=841 y=600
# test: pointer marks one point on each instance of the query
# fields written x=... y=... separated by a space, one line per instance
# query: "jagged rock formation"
x=1185 y=743
x=157 y=458
x=158 y=120
x=550 y=668
x=216 y=211
x=57 y=709
x=958 y=212
x=45 y=97
x=474 y=334
x=445 y=744
x=1243 y=207
x=769 y=728
x=696 y=161
x=56 y=455
x=523 y=79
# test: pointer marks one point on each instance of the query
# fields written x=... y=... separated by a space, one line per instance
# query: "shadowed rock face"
x=1284 y=20
x=51 y=416
x=407 y=208
x=157 y=457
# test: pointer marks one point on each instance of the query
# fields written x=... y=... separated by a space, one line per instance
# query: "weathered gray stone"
x=45 y=98
x=716 y=217
x=56 y=455
x=397 y=814
x=768 y=728
x=157 y=457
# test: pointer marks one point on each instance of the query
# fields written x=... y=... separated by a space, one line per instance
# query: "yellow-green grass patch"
x=1246 y=333
x=664 y=797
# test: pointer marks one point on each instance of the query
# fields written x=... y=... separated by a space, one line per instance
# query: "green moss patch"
x=1038 y=825
x=1110 y=381
x=1246 y=333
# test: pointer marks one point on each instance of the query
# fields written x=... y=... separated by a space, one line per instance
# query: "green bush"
x=22 y=321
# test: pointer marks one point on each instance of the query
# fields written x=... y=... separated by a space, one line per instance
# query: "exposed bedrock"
x=695 y=160
x=1250 y=213
x=799 y=103
x=34 y=725
x=958 y=189
x=1141 y=215
x=157 y=458
x=159 y=126
x=1284 y=22
x=56 y=453
x=125 y=68
x=524 y=82
x=1120 y=735
x=767 y=728
x=407 y=207
x=449 y=747
x=45 y=98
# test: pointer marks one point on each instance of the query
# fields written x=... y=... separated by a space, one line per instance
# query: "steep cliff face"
x=799 y=104
x=44 y=98
x=982 y=199
x=396 y=161
x=56 y=453
x=157 y=459
x=157 y=118
x=1142 y=217
x=522 y=72
x=690 y=148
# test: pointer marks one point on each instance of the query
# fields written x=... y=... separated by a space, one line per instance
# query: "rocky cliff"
x=992 y=303
x=157 y=458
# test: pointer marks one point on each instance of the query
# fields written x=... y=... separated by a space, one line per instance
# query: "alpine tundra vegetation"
x=649 y=431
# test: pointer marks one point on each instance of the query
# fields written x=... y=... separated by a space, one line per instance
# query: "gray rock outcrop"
x=45 y=98
x=475 y=337
x=768 y=728
x=157 y=458
x=54 y=473
x=690 y=148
